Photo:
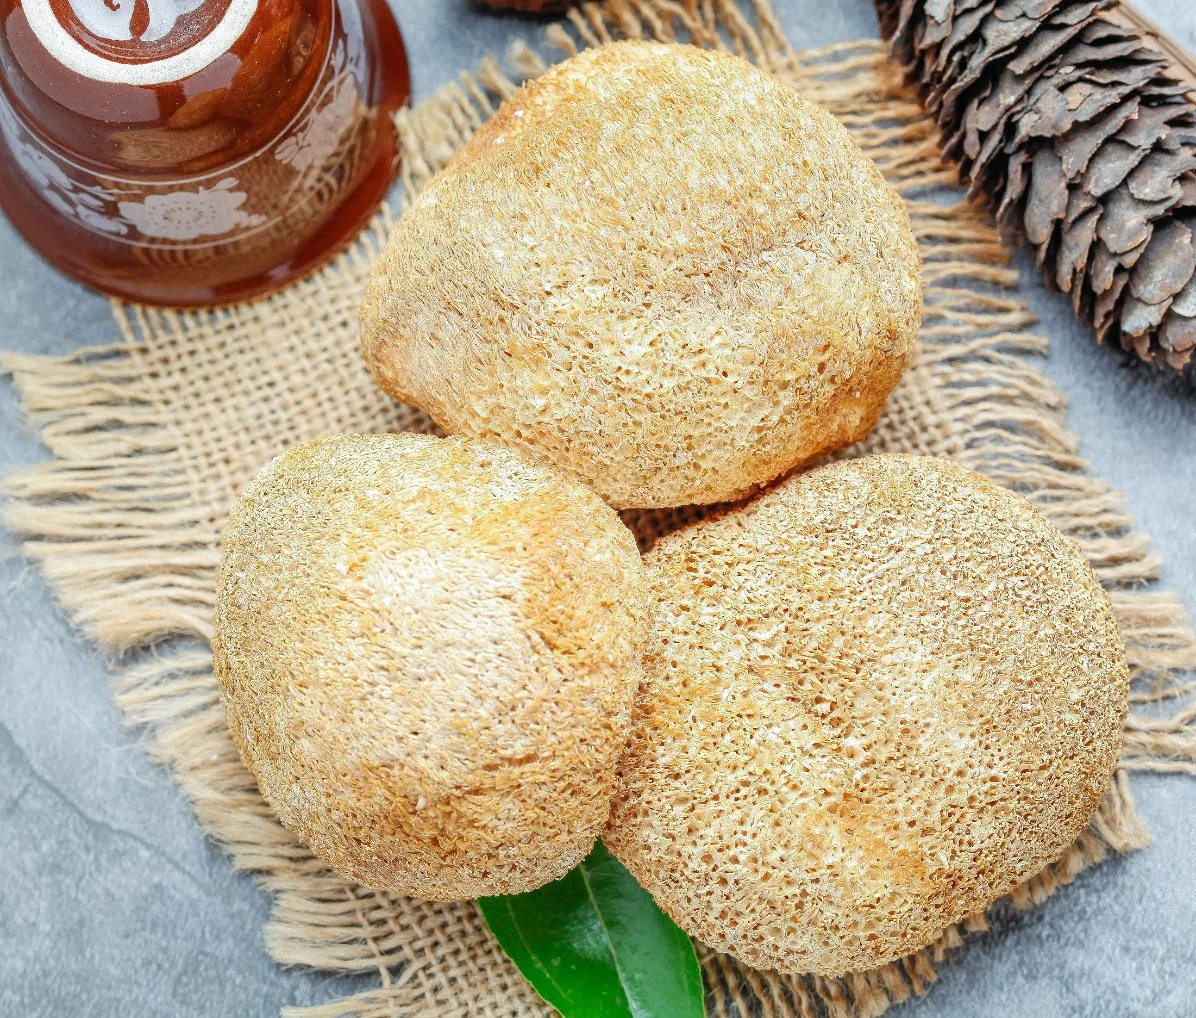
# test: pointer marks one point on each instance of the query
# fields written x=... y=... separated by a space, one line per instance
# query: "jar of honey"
x=196 y=152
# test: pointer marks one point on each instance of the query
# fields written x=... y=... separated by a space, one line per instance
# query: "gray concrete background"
x=113 y=903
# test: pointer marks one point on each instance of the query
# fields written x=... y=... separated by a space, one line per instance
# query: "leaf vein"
x=532 y=954
x=585 y=877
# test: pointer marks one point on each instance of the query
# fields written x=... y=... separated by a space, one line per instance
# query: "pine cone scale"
x=1166 y=266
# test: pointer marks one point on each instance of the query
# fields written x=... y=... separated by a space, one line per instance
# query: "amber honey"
x=196 y=152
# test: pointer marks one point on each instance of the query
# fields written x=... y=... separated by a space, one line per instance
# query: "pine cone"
x=1083 y=140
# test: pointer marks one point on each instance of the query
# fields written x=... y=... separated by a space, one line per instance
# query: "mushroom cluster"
x=820 y=725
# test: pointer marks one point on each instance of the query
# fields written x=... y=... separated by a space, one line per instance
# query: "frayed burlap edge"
x=130 y=545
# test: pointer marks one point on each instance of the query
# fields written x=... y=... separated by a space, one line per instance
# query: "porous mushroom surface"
x=877 y=698
x=428 y=650
x=657 y=267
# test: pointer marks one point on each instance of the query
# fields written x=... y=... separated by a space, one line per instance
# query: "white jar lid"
x=163 y=15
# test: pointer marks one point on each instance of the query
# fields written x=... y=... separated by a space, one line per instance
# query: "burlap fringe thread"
x=125 y=519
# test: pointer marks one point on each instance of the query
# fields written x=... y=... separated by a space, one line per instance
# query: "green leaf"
x=594 y=945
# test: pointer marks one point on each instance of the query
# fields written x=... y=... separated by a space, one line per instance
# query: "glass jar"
x=196 y=152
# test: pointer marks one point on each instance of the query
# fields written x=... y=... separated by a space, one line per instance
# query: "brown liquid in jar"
x=196 y=152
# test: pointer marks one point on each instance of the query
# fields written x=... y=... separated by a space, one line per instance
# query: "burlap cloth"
x=153 y=438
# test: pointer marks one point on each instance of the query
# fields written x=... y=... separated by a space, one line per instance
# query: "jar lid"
x=138 y=42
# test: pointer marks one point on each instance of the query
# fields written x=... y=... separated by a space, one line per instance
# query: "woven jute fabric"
x=153 y=438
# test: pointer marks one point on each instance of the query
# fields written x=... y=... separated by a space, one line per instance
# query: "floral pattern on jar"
x=187 y=215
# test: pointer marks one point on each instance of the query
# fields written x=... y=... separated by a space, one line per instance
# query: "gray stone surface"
x=112 y=902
